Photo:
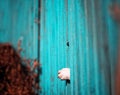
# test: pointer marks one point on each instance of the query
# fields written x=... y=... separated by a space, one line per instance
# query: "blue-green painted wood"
x=87 y=26
x=93 y=37
x=17 y=22
x=53 y=46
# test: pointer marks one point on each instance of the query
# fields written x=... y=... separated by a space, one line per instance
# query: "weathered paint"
x=91 y=55
x=17 y=22
x=85 y=24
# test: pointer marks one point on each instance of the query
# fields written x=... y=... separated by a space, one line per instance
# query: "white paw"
x=64 y=74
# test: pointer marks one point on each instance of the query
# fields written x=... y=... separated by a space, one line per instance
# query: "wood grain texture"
x=17 y=19
x=88 y=27
x=91 y=55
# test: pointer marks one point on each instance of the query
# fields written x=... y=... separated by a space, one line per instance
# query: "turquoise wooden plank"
x=91 y=46
x=53 y=46
x=71 y=29
x=113 y=35
x=17 y=23
x=88 y=27
x=17 y=19
x=101 y=38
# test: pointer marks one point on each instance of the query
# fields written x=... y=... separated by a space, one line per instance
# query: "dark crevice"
x=67 y=44
x=39 y=69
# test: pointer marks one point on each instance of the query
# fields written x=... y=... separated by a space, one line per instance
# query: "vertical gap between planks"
x=38 y=38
